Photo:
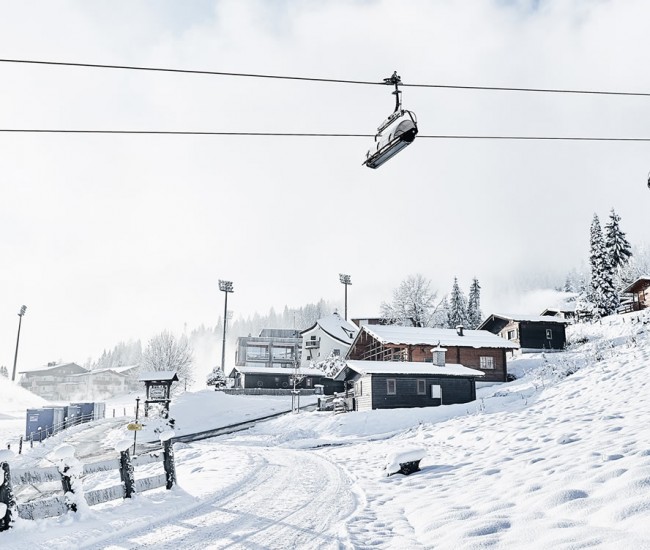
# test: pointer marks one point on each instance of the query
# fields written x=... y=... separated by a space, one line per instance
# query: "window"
x=359 y=389
x=512 y=334
x=391 y=386
x=549 y=334
x=486 y=362
x=336 y=352
x=422 y=387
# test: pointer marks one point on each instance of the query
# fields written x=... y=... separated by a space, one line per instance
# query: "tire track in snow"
x=285 y=503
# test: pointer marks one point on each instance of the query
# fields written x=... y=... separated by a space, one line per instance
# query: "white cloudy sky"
x=107 y=238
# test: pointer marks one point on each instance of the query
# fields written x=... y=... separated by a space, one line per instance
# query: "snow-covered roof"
x=306 y=371
x=639 y=280
x=425 y=336
x=408 y=367
x=158 y=375
x=337 y=327
x=530 y=318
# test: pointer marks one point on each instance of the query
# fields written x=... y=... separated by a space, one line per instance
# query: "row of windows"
x=512 y=334
x=391 y=387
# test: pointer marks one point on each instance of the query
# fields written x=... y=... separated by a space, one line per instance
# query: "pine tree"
x=602 y=294
x=474 y=314
x=617 y=246
x=457 y=307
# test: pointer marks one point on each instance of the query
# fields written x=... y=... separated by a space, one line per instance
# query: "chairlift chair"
x=395 y=133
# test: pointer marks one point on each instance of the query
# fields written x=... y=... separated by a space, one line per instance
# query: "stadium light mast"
x=346 y=280
x=22 y=311
x=225 y=287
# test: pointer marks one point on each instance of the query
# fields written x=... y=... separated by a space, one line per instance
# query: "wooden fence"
x=60 y=504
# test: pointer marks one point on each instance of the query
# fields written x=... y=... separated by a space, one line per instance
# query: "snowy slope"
x=559 y=458
x=14 y=400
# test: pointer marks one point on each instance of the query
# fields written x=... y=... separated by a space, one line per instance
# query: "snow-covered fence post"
x=7 y=499
x=127 y=474
x=71 y=470
x=20 y=445
x=168 y=458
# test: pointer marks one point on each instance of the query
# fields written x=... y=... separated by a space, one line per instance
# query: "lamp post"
x=225 y=287
x=345 y=279
x=20 y=321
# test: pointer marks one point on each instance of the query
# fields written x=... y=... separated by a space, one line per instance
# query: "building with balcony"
x=273 y=348
x=329 y=337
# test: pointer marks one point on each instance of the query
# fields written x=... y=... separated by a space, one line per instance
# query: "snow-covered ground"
x=560 y=458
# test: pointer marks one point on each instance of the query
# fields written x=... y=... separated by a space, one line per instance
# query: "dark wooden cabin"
x=477 y=349
x=531 y=333
x=404 y=384
x=274 y=377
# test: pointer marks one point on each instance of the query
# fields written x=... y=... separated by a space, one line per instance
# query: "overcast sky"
x=108 y=238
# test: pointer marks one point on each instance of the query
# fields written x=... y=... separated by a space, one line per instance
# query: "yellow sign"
x=134 y=426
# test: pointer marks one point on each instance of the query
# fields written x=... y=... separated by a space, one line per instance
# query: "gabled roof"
x=639 y=284
x=425 y=336
x=526 y=318
x=53 y=368
x=407 y=367
x=305 y=371
x=337 y=327
x=158 y=375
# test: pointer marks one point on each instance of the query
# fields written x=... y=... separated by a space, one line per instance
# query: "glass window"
x=486 y=362
x=512 y=334
x=422 y=387
x=549 y=334
x=391 y=386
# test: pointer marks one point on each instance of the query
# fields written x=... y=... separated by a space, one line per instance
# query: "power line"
x=314 y=134
x=328 y=80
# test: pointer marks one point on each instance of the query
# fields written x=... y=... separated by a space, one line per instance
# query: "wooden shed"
x=404 y=384
x=530 y=332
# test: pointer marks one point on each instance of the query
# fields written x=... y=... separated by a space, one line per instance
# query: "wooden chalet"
x=477 y=349
x=639 y=295
x=531 y=333
x=403 y=384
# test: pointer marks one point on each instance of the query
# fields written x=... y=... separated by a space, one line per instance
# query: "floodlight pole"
x=225 y=287
x=346 y=280
x=20 y=321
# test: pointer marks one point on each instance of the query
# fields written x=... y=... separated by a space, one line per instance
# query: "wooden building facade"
x=639 y=294
x=405 y=384
x=274 y=377
x=476 y=349
x=531 y=333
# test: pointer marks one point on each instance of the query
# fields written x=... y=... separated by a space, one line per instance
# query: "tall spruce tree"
x=602 y=294
x=618 y=248
x=457 y=307
x=474 y=314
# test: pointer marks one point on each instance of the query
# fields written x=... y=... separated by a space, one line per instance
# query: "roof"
x=50 y=368
x=425 y=336
x=156 y=375
x=638 y=284
x=98 y=371
x=526 y=318
x=279 y=370
x=337 y=327
x=409 y=367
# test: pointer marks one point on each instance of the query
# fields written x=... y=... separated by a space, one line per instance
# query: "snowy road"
x=283 y=501
x=230 y=496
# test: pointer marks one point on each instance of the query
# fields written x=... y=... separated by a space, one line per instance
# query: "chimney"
x=459 y=330
x=438 y=355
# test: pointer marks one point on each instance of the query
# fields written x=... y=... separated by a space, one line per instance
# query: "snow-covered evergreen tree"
x=216 y=378
x=474 y=313
x=618 y=248
x=602 y=293
x=457 y=307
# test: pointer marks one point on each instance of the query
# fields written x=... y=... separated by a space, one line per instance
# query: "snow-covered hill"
x=14 y=400
x=560 y=458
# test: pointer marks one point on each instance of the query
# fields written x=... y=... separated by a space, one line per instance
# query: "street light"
x=345 y=279
x=225 y=287
x=23 y=309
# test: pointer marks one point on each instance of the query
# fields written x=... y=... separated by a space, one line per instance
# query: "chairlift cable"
x=328 y=80
x=316 y=134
